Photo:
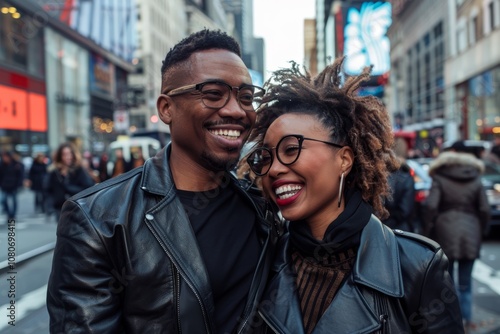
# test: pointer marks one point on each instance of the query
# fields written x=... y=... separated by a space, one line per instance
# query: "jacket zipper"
x=177 y=284
x=274 y=329
x=384 y=314
x=207 y=327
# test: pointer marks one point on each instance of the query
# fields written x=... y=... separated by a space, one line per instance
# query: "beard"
x=216 y=164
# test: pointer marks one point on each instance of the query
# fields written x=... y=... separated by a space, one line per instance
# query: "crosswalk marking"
x=486 y=275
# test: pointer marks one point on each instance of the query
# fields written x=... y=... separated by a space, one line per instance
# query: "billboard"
x=365 y=37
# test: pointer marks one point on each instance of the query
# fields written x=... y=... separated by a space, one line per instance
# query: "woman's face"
x=308 y=189
x=67 y=156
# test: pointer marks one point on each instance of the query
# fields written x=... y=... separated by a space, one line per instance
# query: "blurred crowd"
x=54 y=178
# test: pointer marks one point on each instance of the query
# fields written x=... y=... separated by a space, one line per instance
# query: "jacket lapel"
x=172 y=228
x=377 y=266
x=348 y=313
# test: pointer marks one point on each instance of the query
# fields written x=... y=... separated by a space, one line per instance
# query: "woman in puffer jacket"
x=457 y=215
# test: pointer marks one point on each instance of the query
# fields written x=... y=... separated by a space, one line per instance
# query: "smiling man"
x=176 y=245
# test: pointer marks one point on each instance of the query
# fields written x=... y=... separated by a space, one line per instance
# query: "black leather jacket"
x=126 y=260
x=399 y=284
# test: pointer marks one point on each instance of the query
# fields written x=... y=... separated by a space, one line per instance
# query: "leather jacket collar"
x=174 y=233
x=377 y=266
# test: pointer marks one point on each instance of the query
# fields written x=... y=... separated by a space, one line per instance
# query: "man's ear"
x=163 y=105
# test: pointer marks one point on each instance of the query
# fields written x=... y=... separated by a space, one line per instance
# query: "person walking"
x=66 y=176
x=457 y=215
x=322 y=154
x=400 y=204
x=178 y=245
x=11 y=180
x=36 y=176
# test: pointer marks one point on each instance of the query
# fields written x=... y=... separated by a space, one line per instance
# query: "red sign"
x=22 y=110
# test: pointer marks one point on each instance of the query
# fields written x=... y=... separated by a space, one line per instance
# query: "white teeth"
x=287 y=191
x=230 y=134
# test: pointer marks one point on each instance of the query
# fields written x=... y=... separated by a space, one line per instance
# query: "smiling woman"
x=323 y=155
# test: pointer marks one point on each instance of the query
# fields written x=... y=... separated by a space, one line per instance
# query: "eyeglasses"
x=287 y=152
x=216 y=94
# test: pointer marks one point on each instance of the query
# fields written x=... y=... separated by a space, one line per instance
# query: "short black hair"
x=199 y=41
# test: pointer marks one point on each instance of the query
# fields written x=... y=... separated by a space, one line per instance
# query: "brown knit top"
x=318 y=281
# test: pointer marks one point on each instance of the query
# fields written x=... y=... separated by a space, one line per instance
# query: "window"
x=473 y=30
x=438 y=30
x=461 y=35
x=491 y=11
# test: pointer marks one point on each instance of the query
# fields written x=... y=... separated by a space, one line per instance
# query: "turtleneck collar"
x=343 y=233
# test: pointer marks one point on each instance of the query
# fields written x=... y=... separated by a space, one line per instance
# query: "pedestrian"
x=400 y=204
x=120 y=165
x=11 y=180
x=457 y=215
x=88 y=164
x=66 y=177
x=36 y=176
x=177 y=245
x=103 y=167
x=323 y=155
x=138 y=158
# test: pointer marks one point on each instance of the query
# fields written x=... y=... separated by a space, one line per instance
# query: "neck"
x=190 y=176
x=319 y=223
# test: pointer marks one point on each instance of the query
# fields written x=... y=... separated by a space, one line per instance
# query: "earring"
x=341 y=188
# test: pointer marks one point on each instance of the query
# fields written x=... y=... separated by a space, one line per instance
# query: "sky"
x=281 y=24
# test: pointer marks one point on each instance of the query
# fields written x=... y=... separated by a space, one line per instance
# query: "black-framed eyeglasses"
x=287 y=151
x=215 y=94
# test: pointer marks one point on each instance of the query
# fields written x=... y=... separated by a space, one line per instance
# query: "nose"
x=277 y=168
x=232 y=108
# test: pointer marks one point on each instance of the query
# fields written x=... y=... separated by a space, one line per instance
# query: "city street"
x=35 y=238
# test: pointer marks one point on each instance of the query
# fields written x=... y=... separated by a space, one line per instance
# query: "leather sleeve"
x=81 y=295
x=435 y=306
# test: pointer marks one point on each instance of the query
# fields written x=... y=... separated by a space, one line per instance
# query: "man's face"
x=209 y=138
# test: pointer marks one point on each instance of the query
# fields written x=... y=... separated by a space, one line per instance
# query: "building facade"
x=472 y=71
x=416 y=89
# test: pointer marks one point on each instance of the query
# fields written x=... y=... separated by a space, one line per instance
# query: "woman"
x=66 y=176
x=323 y=155
x=458 y=215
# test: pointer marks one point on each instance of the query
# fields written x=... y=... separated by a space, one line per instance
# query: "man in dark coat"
x=11 y=179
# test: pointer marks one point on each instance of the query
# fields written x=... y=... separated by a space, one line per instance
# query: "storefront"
x=67 y=90
x=23 y=111
x=480 y=105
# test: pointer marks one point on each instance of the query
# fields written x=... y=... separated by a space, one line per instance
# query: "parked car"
x=491 y=182
x=130 y=147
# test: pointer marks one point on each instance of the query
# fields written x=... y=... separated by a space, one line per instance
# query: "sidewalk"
x=34 y=233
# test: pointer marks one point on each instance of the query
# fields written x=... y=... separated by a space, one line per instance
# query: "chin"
x=216 y=163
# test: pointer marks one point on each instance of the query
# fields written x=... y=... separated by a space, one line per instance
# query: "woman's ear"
x=347 y=159
x=163 y=105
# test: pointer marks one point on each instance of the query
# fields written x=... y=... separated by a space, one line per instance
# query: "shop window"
x=21 y=38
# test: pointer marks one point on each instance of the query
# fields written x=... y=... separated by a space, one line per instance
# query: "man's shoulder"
x=116 y=184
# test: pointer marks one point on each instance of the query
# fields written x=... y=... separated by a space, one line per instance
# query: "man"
x=177 y=245
x=11 y=180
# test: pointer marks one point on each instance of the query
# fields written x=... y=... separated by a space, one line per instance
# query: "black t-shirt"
x=224 y=225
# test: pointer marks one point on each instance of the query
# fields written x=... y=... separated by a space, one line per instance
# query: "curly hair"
x=360 y=122
x=199 y=41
